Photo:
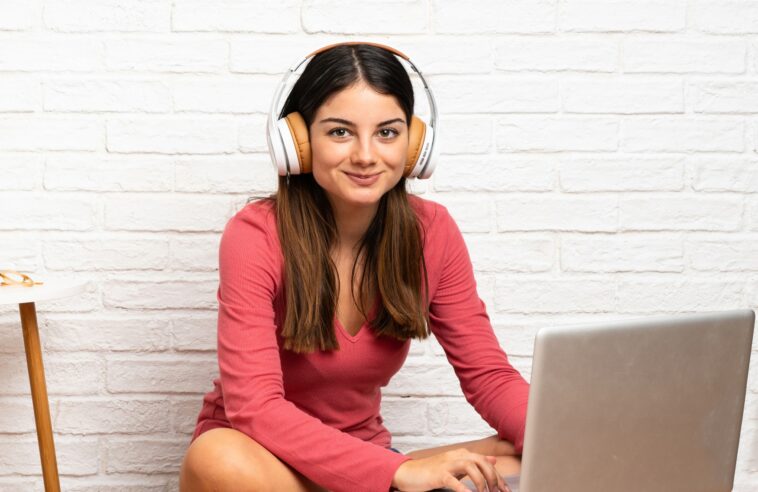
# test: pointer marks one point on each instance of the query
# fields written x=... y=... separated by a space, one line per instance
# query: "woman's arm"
x=459 y=320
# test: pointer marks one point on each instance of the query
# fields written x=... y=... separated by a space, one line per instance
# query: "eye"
x=394 y=132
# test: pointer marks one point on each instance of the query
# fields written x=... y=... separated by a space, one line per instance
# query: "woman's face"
x=359 y=144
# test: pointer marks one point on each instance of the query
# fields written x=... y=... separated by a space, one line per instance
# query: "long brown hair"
x=390 y=254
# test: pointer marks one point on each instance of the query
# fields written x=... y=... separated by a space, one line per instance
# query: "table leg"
x=39 y=396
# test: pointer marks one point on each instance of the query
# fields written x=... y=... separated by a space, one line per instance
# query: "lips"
x=363 y=179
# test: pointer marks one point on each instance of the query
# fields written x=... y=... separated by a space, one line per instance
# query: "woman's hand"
x=444 y=471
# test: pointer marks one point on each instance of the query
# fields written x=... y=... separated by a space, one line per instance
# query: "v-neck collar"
x=364 y=325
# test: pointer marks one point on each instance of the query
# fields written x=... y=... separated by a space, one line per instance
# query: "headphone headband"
x=427 y=157
x=378 y=45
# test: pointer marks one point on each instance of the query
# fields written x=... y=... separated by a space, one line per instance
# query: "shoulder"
x=441 y=237
x=261 y=209
x=260 y=213
x=253 y=223
x=433 y=216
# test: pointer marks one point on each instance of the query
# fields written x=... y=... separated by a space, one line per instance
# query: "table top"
x=53 y=287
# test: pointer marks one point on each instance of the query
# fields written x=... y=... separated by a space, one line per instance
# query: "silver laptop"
x=652 y=404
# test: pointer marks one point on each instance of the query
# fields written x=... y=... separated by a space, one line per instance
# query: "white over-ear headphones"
x=290 y=148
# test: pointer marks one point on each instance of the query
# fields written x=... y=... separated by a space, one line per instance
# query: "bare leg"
x=222 y=460
x=491 y=445
x=508 y=465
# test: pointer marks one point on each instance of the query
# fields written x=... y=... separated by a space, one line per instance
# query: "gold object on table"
x=7 y=277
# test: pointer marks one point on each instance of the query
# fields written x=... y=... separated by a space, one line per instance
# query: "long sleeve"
x=251 y=371
x=495 y=389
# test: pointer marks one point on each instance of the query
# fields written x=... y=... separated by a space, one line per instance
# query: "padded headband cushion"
x=417 y=132
x=299 y=132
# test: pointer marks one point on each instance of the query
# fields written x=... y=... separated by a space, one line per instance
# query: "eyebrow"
x=350 y=123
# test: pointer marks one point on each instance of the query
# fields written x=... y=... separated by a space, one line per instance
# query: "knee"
x=210 y=465
x=190 y=476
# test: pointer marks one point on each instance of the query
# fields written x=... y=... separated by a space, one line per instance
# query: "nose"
x=363 y=152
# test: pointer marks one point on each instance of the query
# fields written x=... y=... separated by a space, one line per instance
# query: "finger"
x=452 y=483
x=475 y=474
x=489 y=471
x=500 y=482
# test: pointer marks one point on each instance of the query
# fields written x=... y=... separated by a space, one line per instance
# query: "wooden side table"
x=25 y=297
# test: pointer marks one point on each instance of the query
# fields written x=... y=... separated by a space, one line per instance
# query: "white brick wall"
x=599 y=155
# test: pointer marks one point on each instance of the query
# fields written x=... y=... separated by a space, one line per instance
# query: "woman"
x=322 y=287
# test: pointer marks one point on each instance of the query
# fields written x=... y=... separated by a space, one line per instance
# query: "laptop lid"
x=650 y=404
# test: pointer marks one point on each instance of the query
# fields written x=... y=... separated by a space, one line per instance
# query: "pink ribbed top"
x=319 y=412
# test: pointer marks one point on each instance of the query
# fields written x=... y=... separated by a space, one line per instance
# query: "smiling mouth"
x=364 y=180
x=362 y=176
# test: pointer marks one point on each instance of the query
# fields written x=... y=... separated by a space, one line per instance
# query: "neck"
x=352 y=223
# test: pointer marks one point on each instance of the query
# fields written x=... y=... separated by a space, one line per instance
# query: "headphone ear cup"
x=276 y=147
x=415 y=141
x=428 y=159
x=299 y=130
x=297 y=147
x=420 y=136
